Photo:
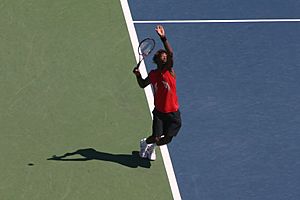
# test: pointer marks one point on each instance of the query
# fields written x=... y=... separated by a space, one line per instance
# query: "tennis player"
x=166 y=115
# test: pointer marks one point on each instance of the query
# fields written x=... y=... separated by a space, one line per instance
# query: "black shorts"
x=166 y=123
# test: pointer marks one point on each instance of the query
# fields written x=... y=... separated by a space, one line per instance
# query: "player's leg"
x=172 y=125
x=157 y=128
x=147 y=146
x=164 y=140
x=157 y=131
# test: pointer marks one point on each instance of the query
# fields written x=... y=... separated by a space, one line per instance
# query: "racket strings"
x=146 y=47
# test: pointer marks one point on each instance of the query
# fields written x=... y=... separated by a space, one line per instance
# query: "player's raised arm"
x=161 y=32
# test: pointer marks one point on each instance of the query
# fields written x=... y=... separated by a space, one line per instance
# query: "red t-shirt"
x=164 y=86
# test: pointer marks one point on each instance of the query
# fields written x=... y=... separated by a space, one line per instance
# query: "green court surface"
x=66 y=86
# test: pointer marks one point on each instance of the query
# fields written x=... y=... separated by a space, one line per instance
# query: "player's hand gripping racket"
x=145 y=48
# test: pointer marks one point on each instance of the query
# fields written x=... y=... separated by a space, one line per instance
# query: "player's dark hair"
x=157 y=55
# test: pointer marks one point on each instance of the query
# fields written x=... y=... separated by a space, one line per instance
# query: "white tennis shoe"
x=151 y=155
x=147 y=150
x=143 y=148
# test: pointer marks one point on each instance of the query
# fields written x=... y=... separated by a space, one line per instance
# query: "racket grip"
x=138 y=65
x=136 y=71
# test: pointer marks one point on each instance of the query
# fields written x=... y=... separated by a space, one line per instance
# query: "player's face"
x=163 y=58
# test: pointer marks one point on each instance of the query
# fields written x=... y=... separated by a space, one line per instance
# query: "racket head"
x=146 y=46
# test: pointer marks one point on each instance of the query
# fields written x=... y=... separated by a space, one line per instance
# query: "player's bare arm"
x=161 y=33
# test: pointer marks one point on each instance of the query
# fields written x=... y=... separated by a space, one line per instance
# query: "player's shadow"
x=132 y=161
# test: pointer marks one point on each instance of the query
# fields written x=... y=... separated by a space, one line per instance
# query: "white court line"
x=149 y=94
x=217 y=21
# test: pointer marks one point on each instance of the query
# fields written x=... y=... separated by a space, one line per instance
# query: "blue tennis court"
x=238 y=86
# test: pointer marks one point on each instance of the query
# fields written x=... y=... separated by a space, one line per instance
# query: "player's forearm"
x=167 y=45
x=141 y=81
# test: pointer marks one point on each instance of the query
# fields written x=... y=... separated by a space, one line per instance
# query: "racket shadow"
x=129 y=160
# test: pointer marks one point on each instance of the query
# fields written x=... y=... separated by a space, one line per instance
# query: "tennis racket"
x=145 y=48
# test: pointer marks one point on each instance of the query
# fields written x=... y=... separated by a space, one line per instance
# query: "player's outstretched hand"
x=160 y=31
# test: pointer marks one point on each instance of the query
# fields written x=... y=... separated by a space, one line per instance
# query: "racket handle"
x=138 y=65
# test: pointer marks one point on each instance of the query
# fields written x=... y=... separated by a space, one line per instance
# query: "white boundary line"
x=217 y=21
x=149 y=94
